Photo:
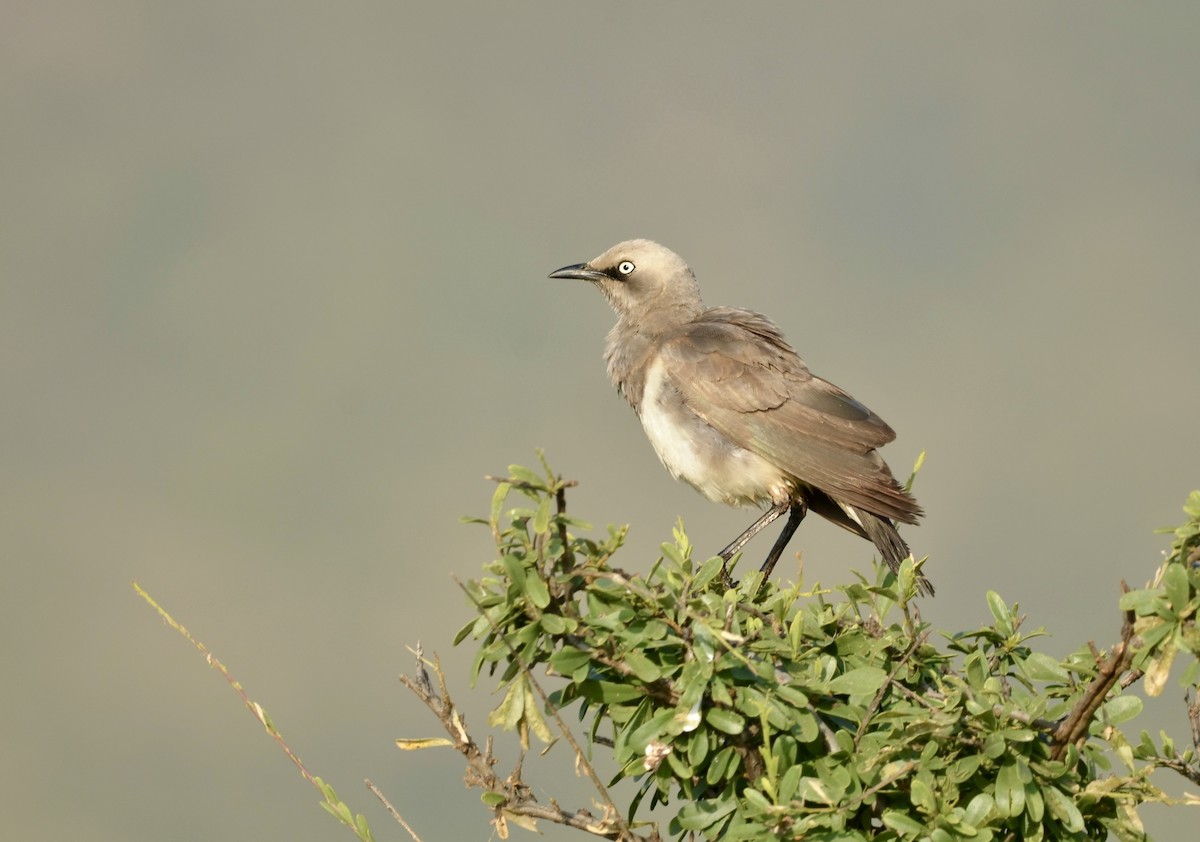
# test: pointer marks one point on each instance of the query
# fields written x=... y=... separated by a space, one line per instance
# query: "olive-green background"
x=273 y=300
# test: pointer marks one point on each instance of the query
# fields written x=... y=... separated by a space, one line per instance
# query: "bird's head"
x=647 y=284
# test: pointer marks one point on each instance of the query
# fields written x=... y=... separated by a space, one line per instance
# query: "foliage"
x=771 y=711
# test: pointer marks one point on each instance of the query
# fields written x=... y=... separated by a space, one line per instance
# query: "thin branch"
x=519 y=801
x=395 y=813
x=560 y=500
x=254 y=707
x=580 y=756
x=999 y=711
x=1193 y=709
x=1176 y=764
x=337 y=808
x=882 y=692
x=1075 y=727
x=1131 y=678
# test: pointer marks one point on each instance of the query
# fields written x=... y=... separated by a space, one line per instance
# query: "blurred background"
x=273 y=301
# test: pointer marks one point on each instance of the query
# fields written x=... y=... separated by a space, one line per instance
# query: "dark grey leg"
x=758 y=526
x=796 y=513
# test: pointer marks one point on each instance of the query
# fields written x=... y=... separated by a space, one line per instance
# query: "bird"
x=731 y=408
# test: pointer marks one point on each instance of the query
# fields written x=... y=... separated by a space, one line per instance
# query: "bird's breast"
x=702 y=457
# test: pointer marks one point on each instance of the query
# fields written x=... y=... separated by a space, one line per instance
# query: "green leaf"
x=533 y=715
x=1142 y=601
x=920 y=794
x=814 y=791
x=725 y=720
x=556 y=625
x=523 y=474
x=980 y=809
x=515 y=568
x=651 y=729
x=708 y=571
x=697 y=749
x=860 y=681
x=1010 y=791
x=673 y=553
x=1175 y=581
x=466 y=630
x=679 y=766
x=645 y=669
x=1159 y=668
x=360 y=824
x=609 y=693
x=493 y=799
x=789 y=783
x=792 y=696
x=977 y=670
x=541 y=519
x=757 y=799
x=699 y=815
x=568 y=659
x=1034 y=805
x=722 y=762
x=1121 y=709
x=903 y=824
x=498 y=498
x=1063 y=808
x=1000 y=611
x=1039 y=666
x=536 y=591
x=1153 y=630
x=507 y=714
x=805 y=726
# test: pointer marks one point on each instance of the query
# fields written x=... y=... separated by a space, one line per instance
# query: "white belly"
x=700 y=456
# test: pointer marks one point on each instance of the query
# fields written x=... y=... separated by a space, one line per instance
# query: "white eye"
x=625 y=267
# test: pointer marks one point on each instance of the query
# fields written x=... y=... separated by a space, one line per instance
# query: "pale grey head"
x=646 y=283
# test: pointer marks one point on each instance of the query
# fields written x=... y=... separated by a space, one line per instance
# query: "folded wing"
x=735 y=370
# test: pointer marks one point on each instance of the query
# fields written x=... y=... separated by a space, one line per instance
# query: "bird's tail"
x=882 y=533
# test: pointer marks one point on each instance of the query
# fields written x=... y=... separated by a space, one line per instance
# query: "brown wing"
x=735 y=370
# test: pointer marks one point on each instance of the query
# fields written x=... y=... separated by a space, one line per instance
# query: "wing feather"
x=735 y=370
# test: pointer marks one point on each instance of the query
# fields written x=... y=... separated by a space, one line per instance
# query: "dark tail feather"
x=882 y=533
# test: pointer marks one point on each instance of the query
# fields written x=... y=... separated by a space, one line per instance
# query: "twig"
x=1193 y=703
x=999 y=711
x=580 y=756
x=338 y=809
x=395 y=813
x=254 y=707
x=519 y=800
x=1075 y=726
x=560 y=500
x=882 y=692
x=1176 y=764
x=1131 y=678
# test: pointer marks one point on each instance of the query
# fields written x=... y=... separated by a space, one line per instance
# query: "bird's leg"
x=796 y=513
x=768 y=517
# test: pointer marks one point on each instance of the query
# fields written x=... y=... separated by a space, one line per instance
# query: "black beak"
x=579 y=272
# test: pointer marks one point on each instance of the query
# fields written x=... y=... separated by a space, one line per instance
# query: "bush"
x=768 y=711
